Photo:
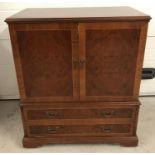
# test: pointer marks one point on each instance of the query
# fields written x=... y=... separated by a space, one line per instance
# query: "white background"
x=8 y=83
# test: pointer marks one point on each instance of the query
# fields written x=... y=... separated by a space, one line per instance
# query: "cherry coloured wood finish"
x=111 y=50
x=116 y=61
x=79 y=113
x=79 y=73
x=128 y=141
x=84 y=14
x=47 y=43
x=53 y=73
x=79 y=130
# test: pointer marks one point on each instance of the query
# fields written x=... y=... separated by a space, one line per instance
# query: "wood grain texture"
x=78 y=14
x=79 y=113
x=115 y=47
x=129 y=141
x=140 y=58
x=88 y=121
x=82 y=104
x=17 y=60
x=79 y=130
x=54 y=58
x=110 y=50
x=43 y=52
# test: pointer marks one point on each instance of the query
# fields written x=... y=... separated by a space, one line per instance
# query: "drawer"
x=79 y=130
x=79 y=113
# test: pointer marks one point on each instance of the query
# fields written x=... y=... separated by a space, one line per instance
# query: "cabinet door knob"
x=81 y=62
x=51 y=114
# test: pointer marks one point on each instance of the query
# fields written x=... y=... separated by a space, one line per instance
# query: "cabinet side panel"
x=140 y=58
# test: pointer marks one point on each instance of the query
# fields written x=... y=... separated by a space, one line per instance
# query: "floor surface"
x=11 y=132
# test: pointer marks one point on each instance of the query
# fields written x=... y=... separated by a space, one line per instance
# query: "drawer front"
x=79 y=113
x=79 y=130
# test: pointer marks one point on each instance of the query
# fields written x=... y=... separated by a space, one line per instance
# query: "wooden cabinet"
x=79 y=75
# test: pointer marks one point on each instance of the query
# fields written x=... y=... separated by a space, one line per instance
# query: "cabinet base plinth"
x=124 y=141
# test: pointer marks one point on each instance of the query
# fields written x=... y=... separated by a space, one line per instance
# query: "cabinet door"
x=111 y=56
x=44 y=56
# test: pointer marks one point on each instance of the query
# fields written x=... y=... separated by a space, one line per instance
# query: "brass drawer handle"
x=78 y=63
x=106 y=129
x=107 y=114
x=52 y=114
x=53 y=129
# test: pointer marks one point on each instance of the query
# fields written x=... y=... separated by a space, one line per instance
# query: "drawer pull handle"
x=107 y=113
x=51 y=114
x=106 y=129
x=54 y=129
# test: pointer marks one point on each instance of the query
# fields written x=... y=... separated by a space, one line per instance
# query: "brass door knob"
x=81 y=62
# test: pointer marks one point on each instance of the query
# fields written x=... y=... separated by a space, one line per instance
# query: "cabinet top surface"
x=78 y=14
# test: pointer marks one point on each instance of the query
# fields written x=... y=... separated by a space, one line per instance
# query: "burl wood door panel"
x=46 y=53
x=109 y=52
